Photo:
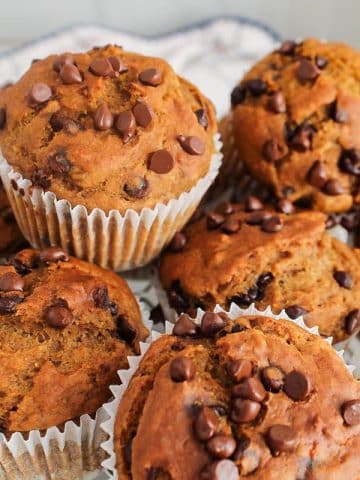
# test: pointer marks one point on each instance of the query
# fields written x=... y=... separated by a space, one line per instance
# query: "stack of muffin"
x=106 y=157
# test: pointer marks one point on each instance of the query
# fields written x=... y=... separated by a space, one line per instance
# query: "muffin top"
x=239 y=398
x=249 y=253
x=11 y=238
x=296 y=123
x=66 y=328
x=107 y=128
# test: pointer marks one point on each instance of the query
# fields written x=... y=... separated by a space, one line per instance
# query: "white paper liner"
x=125 y=376
x=69 y=453
x=109 y=240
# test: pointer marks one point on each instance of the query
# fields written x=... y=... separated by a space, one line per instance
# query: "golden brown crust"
x=216 y=268
x=51 y=371
x=101 y=162
x=11 y=238
x=157 y=415
x=329 y=105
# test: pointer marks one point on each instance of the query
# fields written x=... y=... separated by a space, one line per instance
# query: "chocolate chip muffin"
x=295 y=124
x=250 y=253
x=229 y=399
x=66 y=328
x=11 y=238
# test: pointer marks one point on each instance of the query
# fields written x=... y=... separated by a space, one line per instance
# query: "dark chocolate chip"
x=103 y=118
x=8 y=304
x=212 y=323
x=288 y=47
x=221 y=470
x=11 y=281
x=256 y=218
x=39 y=93
x=125 y=330
x=317 y=175
x=295 y=311
x=244 y=410
x=59 y=163
x=281 y=438
x=202 y=117
x=157 y=315
x=231 y=226
x=70 y=74
x=192 y=145
x=117 y=64
x=253 y=204
x=58 y=316
x=307 y=70
x=143 y=114
x=40 y=179
x=125 y=124
x=243 y=444
x=238 y=95
x=256 y=86
x=277 y=103
x=272 y=378
x=221 y=446
x=225 y=208
x=351 y=412
x=251 y=388
x=272 y=225
x=2 y=118
x=137 y=186
x=62 y=60
x=206 y=424
x=321 y=62
x=182 y=369
x=285 y=206
x=338 y=115
x=151 y=76
x=264 y=279
x=239 y=370
x=273 y=151
x=349 y=161
x=301 y=138
x=178 y=243
x=53 y=255
x=344 y=279
x=185 y=326
x=352 y=321
x=161 y=162
x=297 y=385
x=59 y=121
x=214 y=220
x=101 y=67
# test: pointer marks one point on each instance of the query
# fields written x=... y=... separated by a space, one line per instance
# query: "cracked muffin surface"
x=107 y=128
x=243 y=398
x=66 y=328
x=295 y=123
x=251 y=253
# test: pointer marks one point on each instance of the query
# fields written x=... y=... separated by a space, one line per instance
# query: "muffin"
x=67 y=327
x=11 y=238
x=239 y=398
x=245 y=253
x=295 y=124
x=106 y=153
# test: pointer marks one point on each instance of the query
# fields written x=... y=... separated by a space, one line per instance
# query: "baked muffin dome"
x=245 y=254
x=107 y=129
x=239 y=398
x=66 y=328
x=11 y=238
x=295 y=123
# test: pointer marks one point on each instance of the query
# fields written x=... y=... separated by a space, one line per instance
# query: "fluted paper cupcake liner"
x=70 y=452
x=118 y=242
x=125 y=376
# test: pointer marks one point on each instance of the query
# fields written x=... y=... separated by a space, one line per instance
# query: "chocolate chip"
x=59 y=121
x=101 y=67
x=231 y=226
x=281 y=438
x=206 y=424
x=321 y=62
x=157 y=315
x=182 y=369
x=125 y=124
x=244 y=410
x=151 y=76
x=285 y=206
x=338 y=115
x=185 y=326
x=11 y=281
x=100 y=296
x=221 y=446
x=317 y=174
x=238 y=95
x=344 y=279
x=59 y=163
x=40 y=179
x=70 y=74
x=301 y=138
x=58 y=316
x=8 y=304
x=143 y=114
x=2 y=118
x=214 y=220
x=161 y=162
x=307 y=70
x=295 y=311
x=221 y=470
x=277 y=103
x=273 y=151
x=62 y=60
x=272 y=225
x=202 y=117
x=297 y=385
x=243 y=444
x=117 y=64
x=239 y=370
x=192 y=145
x=251 y=388
x=349 y=161
x=256 y=218
x=53 y=255
x=225 y=208
x=351 y=412
x=125 y=330
x=39 y=93
x=272 y=378
x=103 y=118
x=352 y=321
x=256 y=86
x=178 y=243
x=211 y=324
x=137 y=186
x=288 y=47
x=253 y=204
x=177 y=297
